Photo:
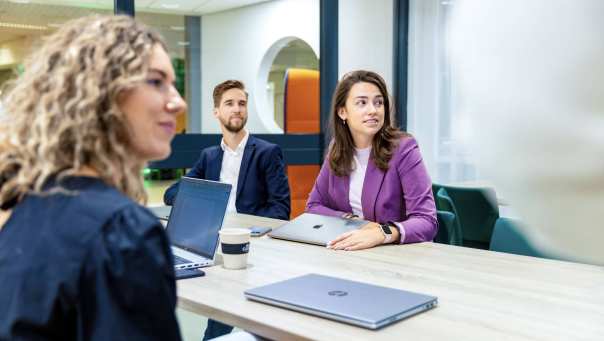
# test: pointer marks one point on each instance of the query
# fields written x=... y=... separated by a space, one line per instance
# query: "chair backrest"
x=446 y=228
x=507 y=237
x=435 y=188
x=301 y=101
x=476 y=210
x=301 y=179
x=301 y=115
x=445 y=204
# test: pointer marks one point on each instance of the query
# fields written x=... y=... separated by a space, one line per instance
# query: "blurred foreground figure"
x=531 y=76
x=80 y=258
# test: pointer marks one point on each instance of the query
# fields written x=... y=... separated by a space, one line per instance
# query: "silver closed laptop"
x=315 y=229
x=361 y=304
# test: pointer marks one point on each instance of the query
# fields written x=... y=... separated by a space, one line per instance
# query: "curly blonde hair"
x=62 y=113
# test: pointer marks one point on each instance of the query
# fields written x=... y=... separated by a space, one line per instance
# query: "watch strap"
x=401 y=234
x=387 y=236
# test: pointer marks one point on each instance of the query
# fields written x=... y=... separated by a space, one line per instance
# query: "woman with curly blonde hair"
x=79 y=257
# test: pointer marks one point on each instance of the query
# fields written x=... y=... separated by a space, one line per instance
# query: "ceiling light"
x=22 y=26
x=170 y=6
x=19 y=1
x=183 y=43
x=177 y=28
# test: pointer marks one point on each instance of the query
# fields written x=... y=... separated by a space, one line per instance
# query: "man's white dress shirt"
x=231 y=164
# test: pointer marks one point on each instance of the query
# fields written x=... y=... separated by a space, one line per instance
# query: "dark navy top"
x=89 y=265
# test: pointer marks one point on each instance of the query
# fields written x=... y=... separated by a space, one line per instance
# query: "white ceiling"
x=189 y=7
x=166 y=16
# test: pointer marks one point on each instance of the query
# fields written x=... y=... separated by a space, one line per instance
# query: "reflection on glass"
x=172 y=28
x=255 y=41
x=23 y=23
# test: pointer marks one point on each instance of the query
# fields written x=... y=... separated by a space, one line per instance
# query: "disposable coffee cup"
x=235 y=245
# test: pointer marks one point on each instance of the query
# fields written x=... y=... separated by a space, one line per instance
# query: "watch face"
x=386 y=229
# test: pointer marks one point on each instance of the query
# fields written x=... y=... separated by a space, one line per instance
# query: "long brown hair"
x=385 y=140
x=62 y=112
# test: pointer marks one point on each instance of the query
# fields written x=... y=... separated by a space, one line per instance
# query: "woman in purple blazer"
x=372 y=171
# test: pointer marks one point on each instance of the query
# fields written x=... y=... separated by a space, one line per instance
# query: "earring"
x=344 y=121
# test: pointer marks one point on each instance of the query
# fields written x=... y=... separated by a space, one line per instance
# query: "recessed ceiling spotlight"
x=170 y=6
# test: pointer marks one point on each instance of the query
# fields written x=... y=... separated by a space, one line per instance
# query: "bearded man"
x=254 y=167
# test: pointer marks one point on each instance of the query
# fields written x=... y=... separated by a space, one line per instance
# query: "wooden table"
x=482 y=295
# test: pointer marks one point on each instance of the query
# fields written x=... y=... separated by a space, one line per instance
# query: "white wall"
x=365 y=37
x=424 y=104
x=234 y=44
x=433 y=118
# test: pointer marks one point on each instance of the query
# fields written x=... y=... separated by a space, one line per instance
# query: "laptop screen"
x=197 y=215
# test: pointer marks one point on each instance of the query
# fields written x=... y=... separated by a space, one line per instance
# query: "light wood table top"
x=482 y=295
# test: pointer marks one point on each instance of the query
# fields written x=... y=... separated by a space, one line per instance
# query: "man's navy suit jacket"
x=262 y=187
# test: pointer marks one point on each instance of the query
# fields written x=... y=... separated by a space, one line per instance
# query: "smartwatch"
x=387 y=232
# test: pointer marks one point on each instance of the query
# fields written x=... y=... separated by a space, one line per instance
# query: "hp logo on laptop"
x=338 y=293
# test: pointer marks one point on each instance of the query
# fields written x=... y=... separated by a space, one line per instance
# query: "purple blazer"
x=402 y=194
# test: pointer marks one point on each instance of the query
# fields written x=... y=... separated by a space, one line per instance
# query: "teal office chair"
x=446 y=228
x=435 y=188
x=507 y=237
x=445 y=204
x=476 y=211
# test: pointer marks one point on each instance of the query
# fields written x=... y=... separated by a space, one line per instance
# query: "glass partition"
x=23 y=22
x=253 y=41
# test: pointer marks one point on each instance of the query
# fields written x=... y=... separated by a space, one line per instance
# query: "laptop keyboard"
x=180 y=260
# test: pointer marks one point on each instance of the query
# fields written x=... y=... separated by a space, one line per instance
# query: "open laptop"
x=360 y=304
x=315 y=229
x=195 y=219
x=161 y=212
